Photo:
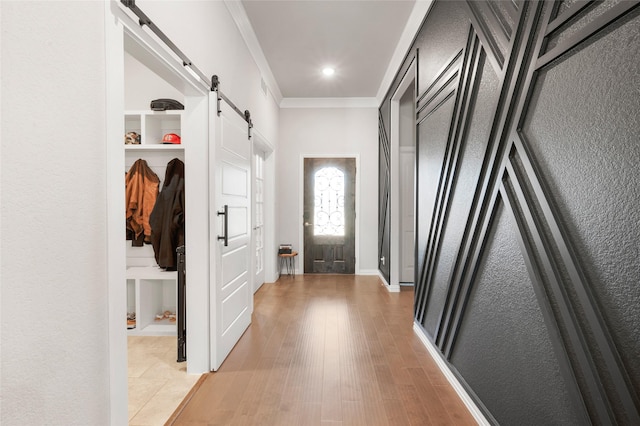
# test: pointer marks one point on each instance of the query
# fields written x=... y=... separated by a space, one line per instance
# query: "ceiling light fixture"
x=328 y=71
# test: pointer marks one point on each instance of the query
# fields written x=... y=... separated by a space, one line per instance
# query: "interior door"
x=230 y=223
x=407 y=218
x=329 y=215
x=258 y=218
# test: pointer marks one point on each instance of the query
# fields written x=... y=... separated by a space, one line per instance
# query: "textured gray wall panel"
x=555 y=124
x=433 y=133
x=583 y=126
x=503 y=349
x=473 y=151
x=384 y=208
x=580 y=21
x=449 y=24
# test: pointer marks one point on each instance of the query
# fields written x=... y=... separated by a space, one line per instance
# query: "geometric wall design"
x=384 y=207
x=528 y=204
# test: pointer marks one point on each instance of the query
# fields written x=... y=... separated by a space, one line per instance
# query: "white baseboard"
x=390 y=288
x=360 y=272
x=383 y=279
x=451 y=378
x=393 y=288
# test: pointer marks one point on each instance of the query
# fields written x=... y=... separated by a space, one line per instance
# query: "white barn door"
x=230 y=224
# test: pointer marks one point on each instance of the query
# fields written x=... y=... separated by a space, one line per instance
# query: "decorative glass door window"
x=329 y=202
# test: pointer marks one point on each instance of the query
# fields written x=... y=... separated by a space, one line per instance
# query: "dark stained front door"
x=329 y=215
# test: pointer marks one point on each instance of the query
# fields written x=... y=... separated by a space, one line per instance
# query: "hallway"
x=326 y=349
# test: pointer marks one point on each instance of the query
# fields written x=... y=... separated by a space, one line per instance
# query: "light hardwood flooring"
x=326 y=350
x=157 y=383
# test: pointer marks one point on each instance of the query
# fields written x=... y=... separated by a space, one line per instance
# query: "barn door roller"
x=143 y=20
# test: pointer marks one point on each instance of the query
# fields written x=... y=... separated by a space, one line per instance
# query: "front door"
x=329 y=215
x=230 y=217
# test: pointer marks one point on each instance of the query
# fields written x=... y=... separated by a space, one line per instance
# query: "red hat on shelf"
x=171 y=138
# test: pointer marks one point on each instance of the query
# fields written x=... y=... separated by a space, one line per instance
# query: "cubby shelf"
x=153 y=147
x=152 y=126
x=150 y=289
x=150 y=273
x=154 y=291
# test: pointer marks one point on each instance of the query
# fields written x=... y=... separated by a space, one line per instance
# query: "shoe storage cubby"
x=151 y=291
x=152 y=126
x=154 y=293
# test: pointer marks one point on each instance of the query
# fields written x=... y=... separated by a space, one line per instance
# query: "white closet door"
x=231 y=286
x=258 y=218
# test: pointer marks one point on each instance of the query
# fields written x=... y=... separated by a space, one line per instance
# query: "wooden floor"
x=326 y=350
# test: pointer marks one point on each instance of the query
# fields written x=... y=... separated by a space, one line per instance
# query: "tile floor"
x=157 y=383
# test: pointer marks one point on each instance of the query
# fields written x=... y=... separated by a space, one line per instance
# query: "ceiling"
x=298 y=38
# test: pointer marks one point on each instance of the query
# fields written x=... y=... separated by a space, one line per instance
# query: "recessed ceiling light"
x=328 y=71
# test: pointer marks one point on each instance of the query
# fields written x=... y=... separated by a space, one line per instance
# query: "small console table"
x=288 y=260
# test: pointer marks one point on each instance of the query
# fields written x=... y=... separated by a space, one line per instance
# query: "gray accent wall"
x=528 y=204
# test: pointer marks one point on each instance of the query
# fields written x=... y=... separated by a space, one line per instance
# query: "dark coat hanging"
x=167 y=217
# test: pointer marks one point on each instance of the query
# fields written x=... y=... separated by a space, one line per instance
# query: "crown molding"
x=329 y=103
x=418 y=13
x=241 y=19
x=239 y=15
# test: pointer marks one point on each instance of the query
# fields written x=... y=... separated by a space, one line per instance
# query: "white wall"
x=141 y=86
x=207 y=34
x=322 y=132
x=55 y=364
x=54 y=306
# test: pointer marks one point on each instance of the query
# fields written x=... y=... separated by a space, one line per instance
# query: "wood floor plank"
x=331 y=408
x=387 y=386
x=454 y=406
x=430 y=396
x=250 y=402
x=414 y=408
x=396 y=414
x=327 y=350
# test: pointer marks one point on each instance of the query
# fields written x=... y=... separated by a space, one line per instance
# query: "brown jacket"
x=141 y=192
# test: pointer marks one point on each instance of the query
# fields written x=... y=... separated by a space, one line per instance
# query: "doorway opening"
x=329 y=210
x=156 y=345
x=407 y=158
x=403 y=160
x=139 y=70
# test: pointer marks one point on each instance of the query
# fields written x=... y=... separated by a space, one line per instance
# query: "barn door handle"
x=225 y=213
x=308 y=224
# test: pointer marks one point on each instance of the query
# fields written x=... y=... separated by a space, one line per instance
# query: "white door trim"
x=116 y=254
x=119 y=23
x=263 y=146
x=271 y=201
